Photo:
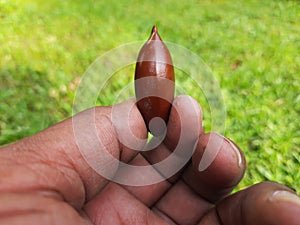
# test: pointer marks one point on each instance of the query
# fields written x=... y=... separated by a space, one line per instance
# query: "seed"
x=154 y=82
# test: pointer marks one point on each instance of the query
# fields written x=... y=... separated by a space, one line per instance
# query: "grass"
x=252 y=48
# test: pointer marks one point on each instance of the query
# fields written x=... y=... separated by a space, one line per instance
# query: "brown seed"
x=154 y=81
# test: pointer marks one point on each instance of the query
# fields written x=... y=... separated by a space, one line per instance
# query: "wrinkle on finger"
x=148 y=194
x=35 y=208
x=170 y=171
x=182 y=204
x=115 y=205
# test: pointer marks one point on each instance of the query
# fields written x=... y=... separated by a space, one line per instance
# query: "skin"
x=45 y=180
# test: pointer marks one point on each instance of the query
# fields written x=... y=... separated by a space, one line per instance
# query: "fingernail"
x=237 y=152
x=286 y=196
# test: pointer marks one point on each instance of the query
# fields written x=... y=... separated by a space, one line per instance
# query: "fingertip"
x=186 y=114
x=218 y=161
x=137 y=124
x=287 y=203
x=262 y=203
x=184 y=102
x=129 y=126
x=221 y=170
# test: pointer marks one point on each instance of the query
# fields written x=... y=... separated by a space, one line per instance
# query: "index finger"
x=51 y=161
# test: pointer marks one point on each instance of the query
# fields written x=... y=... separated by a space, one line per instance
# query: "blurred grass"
x=252 y=48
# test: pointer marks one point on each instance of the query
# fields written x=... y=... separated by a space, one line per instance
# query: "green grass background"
x=252 y=48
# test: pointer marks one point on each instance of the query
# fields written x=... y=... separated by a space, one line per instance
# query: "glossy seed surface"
x=154 y=79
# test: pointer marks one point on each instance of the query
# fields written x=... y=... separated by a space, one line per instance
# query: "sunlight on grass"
x=252 y=48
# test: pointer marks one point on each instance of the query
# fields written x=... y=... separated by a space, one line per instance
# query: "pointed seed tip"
x=154 y=29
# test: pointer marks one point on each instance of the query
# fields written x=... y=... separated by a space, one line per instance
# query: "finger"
x=183 y=131
x=264 y=203
x=185 y=116
x=166 y=165
x=148 y=192
x=35 y=209
x=224 y=171
x=195 y=193
x=115 y=205
x=52 y=160
x=182 y=205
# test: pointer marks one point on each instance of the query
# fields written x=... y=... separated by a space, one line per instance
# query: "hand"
x=45 y=180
